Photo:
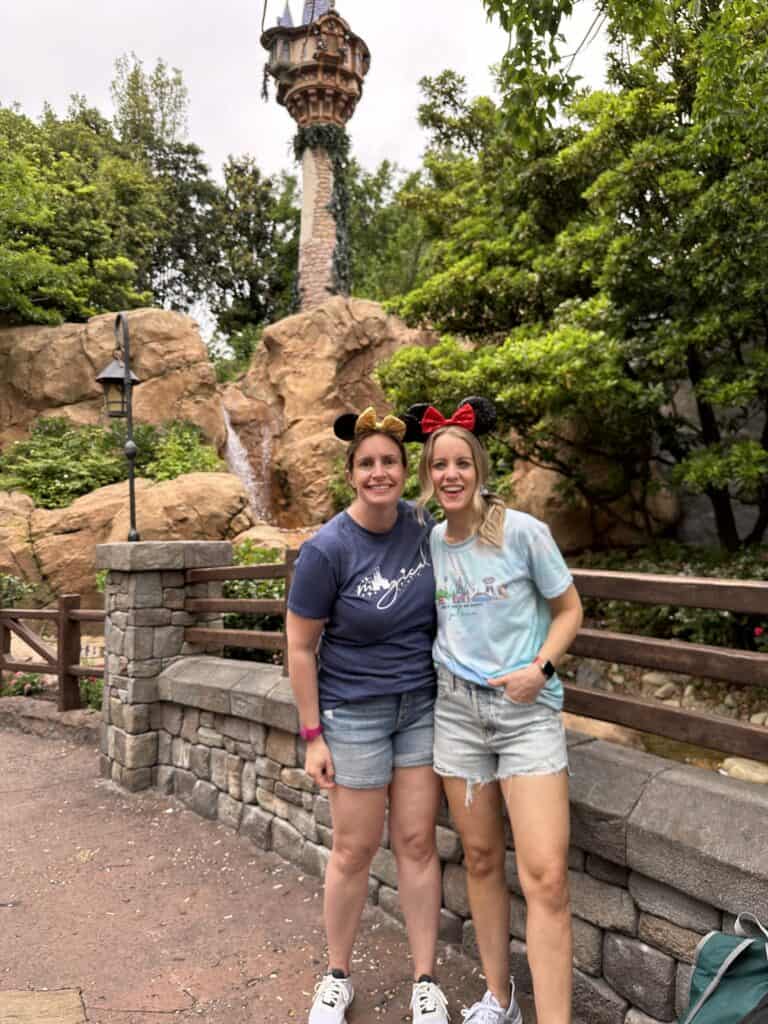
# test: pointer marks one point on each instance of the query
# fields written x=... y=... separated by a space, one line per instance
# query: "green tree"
x=621 y=258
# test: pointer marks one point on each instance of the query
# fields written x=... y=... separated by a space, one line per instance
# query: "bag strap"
x=748 y=925
x=724 y=966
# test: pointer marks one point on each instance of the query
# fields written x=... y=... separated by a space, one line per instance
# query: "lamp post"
x=118 y=381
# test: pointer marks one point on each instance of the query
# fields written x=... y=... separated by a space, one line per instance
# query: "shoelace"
x=428 y=997
x=480 y=1014
x=330 y=990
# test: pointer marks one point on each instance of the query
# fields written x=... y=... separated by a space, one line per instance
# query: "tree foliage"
x=611 y=268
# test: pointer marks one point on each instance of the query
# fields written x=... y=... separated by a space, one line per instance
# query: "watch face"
x=548 y=669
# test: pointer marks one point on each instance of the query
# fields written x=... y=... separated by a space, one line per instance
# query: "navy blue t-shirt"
x=376 y=592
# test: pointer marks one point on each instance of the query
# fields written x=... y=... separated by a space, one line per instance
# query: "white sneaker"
x=332 y=997
x=428 y=1003
x=489 y=1011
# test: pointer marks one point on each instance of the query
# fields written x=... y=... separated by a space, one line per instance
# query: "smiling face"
x=377 y=472
x=453 y=472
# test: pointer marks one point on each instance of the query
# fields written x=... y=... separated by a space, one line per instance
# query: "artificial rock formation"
x=52 y=371
x=308 y=369
x=54 y=549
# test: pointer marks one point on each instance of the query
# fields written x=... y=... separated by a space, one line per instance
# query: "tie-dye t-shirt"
x=376 y=592
x=492 y=611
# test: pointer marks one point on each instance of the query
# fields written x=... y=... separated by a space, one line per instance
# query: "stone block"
x=267 y=768
x=302 y=821
x=219 y=767
x=136 y=718
x=200 y=761
x=606 y=784
x=384 y=867
x=448 y=845
x=519 y=969
x=173 y=578
x=267 y=800
x=210 y=737
x=518 y=915
x=638 y=1017
x=149 y=617
x=706 y=835
x=138 y=643
x=576 y=858
x=450 y=927
x=180 y=752
x=510 y=870
x=230 y=811
x=280 y=707
x=135 y=751
x=325 y=835
x=664 y=901
x=679 y=942
x=204 y=799
x=174 y=598
x=469 y=940
x=323 y=812
x=389 y=901
x=683 y=988
x=164 y=748
x=587 y=947
x=234 y=767
x=287 y=842
x=257 y=737
x=606 y=871
x=105 y=766
x=234 y=728
x=297 y=778
x=455 y=896
x=190 y=724
x=117 y=773
x=292 y=796
x=167 y=641
x=281 y=747
x=249 y=694
x=116 y=713
x=248 y=783
x=142 y=689
x=640 y=973
x=594 y=1002
x=257 y=826
x=136 y=779
x=184 y=782
x=163 y=779
x=315 y=860
x=604 y=905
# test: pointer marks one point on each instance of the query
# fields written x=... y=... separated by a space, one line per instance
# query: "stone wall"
x=660 y=853
x=317 y=240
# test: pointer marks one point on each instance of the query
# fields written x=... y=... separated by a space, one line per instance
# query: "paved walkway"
x=153 y=914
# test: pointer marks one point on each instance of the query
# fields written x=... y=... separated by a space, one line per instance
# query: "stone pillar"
x=317 y=240
x=145 y=605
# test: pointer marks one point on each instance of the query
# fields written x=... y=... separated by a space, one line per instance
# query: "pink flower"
x=759 y=630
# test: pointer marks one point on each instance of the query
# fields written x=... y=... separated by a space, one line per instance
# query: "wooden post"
x=68 y=653
x=5 y=645
x=290 y=561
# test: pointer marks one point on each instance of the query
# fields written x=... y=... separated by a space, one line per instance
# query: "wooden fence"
x=64 y=661
x=736 y=667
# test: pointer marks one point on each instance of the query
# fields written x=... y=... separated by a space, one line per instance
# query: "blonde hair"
x=488 y=509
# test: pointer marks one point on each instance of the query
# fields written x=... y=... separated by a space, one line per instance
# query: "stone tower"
x=318 y=67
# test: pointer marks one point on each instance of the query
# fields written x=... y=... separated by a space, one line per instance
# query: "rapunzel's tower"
x=319 y=67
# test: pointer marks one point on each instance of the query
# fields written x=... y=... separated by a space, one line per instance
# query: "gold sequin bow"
x=389 y=425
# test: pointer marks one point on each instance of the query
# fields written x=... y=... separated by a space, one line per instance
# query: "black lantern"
x=118 y=381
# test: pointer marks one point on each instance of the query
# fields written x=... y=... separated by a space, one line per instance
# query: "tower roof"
x=313 y=9
x=286 y=19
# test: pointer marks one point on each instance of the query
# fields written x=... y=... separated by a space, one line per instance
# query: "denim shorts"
x=371 y=737
x=481 y=735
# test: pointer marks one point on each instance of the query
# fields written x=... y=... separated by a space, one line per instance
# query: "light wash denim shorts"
x=481 y=735
x=369 y=738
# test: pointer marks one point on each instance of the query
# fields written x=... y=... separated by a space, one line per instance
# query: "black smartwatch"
x=546 y=667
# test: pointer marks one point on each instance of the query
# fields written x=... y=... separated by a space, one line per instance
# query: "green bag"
x=730 y=974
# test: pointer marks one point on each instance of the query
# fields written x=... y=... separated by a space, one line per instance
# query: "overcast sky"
x=51 y=49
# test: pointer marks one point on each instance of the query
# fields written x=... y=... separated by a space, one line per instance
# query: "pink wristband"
x=311 y=732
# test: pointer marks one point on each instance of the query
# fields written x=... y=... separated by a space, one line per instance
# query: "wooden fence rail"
x=64 y=661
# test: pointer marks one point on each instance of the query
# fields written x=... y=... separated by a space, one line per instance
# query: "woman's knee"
x=546 y=885
x=415 y=845
x=351 y=857
x=483 y=861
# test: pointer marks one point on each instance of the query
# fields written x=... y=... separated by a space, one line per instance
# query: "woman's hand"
x=522 y=686
x=319 y=764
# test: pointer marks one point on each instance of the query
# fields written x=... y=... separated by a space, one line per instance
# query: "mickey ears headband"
x=475 y=414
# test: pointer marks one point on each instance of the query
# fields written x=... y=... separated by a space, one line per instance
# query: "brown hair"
x=349 y=459
x=488 y=509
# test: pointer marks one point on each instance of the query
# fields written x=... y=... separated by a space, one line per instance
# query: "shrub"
x=13 y=591
x=91 y=692
x=182 y=449
x=22 y=684
x=249 y=553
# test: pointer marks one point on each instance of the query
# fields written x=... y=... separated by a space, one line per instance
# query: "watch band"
x=310 y=732
x=546 y=667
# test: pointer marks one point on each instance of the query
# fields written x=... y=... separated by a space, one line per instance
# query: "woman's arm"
x=523 y=686
x=303 y=636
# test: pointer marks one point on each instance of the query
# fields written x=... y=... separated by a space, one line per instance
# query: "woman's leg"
x=358 y=822
x=539 y=813
x=414 y=800
x=481 y=827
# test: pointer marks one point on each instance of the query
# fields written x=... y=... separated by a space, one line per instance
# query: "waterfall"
x=237 y=459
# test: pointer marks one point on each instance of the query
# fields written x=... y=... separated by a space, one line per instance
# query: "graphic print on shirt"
x=389 y=590
x=455 y=592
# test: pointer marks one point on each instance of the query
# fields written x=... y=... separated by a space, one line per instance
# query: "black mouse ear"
x=344 y=426
x=412 y=428
x=485 y=414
